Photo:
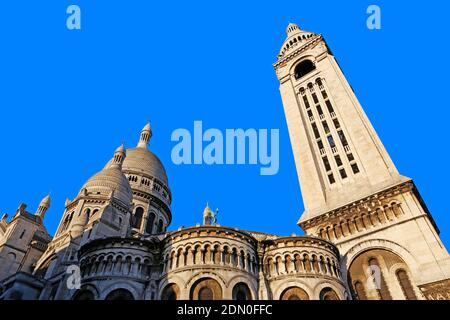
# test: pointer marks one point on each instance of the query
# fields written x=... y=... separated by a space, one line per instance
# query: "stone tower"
x=352 y=192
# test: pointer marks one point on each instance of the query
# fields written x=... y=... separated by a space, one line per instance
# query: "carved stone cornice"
x=284 y=60
x=367 y=204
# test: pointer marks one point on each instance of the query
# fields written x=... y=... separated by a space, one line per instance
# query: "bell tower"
x=352 y=192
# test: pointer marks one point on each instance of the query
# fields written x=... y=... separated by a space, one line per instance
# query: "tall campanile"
x=352 y=192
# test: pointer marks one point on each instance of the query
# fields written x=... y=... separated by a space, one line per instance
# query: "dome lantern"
x=43 y=206
x=146 y=135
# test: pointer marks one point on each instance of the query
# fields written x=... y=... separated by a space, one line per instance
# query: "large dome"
x=142 y=160
x=110 y=180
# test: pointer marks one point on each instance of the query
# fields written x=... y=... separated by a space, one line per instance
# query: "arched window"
x=294 y=293
x=328 y=294
x=171 y=292
x=120 y=294
x=150 y=223
x=241 y=292
x=406 y=285
x=206 y=289
x=137 y=221
x=160 y=226
x=303 y=68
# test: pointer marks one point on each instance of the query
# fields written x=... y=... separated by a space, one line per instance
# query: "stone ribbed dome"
x=142 y=160
x=107 y=181
x=111 y=180
x=296 y=38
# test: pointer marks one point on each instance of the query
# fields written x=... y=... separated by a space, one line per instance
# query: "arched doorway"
x=376 y=274
x=120 y=294
x=171 y=292
x=294 y=293
x=328 y=294
x=206 y=289
x=241 y=291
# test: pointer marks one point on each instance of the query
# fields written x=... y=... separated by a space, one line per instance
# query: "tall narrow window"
x=137 y=221
x=329 y=106
x=320 y=144
x=310 y=115
x=326 y=127
x=350 y=157
x=22 y=234
x=319 y=110
x=316 y=100
x=331 y=141
x=326 y=164
x=324 y=94
x=337 y=125
x=150 y=223
x=338 y=161
x=316 y=131
x=305 y=100
x=343 y=173
x=342 y=137
x=405 y=284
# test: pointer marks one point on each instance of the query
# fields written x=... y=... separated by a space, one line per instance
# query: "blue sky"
x=69 y=98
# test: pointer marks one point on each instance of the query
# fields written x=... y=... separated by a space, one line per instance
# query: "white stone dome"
x=142 y=160
x=111 y=181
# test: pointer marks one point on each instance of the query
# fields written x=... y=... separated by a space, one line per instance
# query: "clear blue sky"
x=68 y=99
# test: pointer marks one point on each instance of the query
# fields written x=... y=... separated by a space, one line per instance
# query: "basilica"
x=368 y=232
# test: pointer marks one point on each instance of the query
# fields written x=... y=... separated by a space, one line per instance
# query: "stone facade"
x=352 y=191
x=369 y=233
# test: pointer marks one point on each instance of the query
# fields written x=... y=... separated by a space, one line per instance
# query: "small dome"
x=295 y=39
x=111 y=180
x=292 y=28
x=108 y=181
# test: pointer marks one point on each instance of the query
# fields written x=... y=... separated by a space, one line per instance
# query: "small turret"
x=119 y=156
x=43 y=206
x=146 y=135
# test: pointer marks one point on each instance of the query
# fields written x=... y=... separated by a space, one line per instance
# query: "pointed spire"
x=44 y=206
x=119 y=156
x=146 y=135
